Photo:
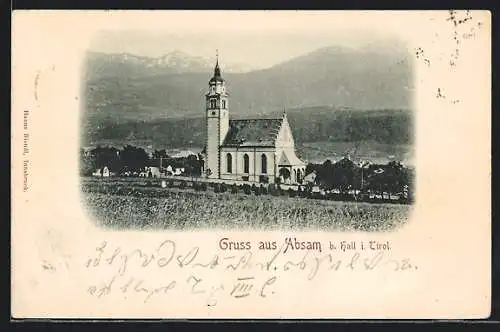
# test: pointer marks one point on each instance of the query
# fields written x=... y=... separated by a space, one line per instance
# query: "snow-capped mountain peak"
x=176 y=61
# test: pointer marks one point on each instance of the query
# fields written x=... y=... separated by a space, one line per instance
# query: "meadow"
x=132 y=204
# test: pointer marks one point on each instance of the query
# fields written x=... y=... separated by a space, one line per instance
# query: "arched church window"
x=263 y=164
x=246 y=164
x=229 y=163
x=213 y=103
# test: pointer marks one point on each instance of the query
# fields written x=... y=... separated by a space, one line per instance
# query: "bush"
x=234 y=189
x=271 y=190
x=263 y=190
x=291 y=192
x=170 y=184
x=223 y=188
x=247 y=189
x=216 y=188
x=280 y=190
x=203 y=186
x=183 y=185
x=255 y=189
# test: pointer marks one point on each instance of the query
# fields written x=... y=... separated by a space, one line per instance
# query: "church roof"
x=284 y=161
x=253 y=132
x=289 y=160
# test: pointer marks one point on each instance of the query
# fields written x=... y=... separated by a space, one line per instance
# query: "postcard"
x=251 y=164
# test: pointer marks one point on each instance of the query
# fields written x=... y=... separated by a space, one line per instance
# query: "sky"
x=256 y=49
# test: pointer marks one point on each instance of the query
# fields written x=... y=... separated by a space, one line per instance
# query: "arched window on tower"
x=263 y=164
x=213 y=103
x=223 y=104
x=246 y=164
x=229 y=163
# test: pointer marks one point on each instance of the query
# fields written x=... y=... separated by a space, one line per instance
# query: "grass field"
x=122 y=204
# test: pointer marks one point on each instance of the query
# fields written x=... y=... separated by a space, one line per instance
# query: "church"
x=256 y=150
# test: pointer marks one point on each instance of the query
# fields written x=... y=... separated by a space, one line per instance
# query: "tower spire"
x=217 y=74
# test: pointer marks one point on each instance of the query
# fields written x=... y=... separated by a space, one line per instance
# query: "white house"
x=184 y=154
x=311 y=177
x=104 y=172
x=179 y=171
x=256 y=150
x=152 y=172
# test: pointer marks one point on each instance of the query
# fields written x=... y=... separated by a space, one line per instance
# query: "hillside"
x=308 y=125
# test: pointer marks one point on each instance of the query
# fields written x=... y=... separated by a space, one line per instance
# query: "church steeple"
x=217 y=115
x=217 y=75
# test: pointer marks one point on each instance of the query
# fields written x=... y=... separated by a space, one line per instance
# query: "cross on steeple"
x=217 y=75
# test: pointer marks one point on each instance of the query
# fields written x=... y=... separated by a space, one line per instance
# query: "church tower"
x=217 y=116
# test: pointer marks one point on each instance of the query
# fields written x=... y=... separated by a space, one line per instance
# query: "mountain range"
x=172 y=62
x=125 y=91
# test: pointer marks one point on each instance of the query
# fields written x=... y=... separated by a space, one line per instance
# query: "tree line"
x=345 y=176
x=319 y=124
x=131 y=159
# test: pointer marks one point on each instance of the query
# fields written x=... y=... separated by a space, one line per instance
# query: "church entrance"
x=291 y=174
x=285 y=174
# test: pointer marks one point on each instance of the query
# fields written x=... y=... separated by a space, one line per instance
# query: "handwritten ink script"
x=238 y=269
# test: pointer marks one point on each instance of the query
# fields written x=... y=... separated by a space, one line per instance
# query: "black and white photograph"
x=251 y=165
x=286 y=130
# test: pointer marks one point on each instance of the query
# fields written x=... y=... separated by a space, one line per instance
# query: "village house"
x=103 y=172
x=310 y=178
x=153 y=172
x=256 y=150
x=174 y=171
x=184 y=154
